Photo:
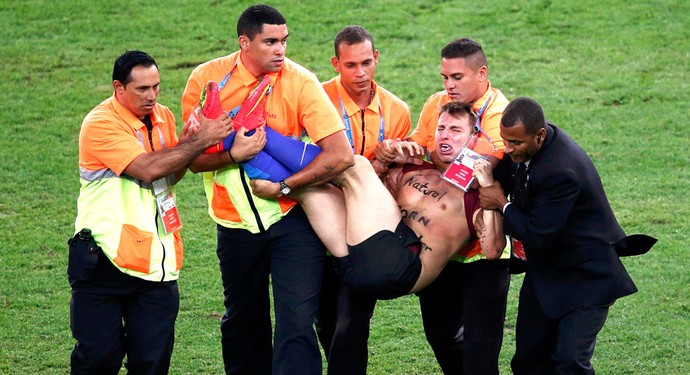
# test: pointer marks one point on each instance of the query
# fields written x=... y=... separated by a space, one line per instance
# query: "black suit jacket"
x=568 y=229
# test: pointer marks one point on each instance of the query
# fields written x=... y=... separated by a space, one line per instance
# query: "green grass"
x=614 y=74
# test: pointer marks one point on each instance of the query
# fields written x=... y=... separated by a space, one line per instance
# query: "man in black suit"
x=560 y=214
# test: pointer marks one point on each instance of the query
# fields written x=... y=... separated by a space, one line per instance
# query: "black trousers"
x=113 y=314
x=546 y=345
x=291 y=254
x=463 y=312
x=343 y=324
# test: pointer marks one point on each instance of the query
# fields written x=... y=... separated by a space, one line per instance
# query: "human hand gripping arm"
x=243 y=148
x=186 y=134
x=193 y=107
x=393 y=177
x=383 y=157
x=150 y=166
x=491 y=195
x=397 y=151
x=405 y=152
x=408 y=152
x=385 y=151
x=488 y=223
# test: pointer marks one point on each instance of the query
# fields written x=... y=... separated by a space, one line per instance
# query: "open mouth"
x=445 y=149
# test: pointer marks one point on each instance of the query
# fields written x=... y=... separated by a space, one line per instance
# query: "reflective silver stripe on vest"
x=91 y=176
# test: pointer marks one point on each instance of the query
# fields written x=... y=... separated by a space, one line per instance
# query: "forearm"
x=322 y=169
x=491 y=197
x=151 y=166
x=210 y=162
x=335 y=157
x=179 y=174
x=492 y=238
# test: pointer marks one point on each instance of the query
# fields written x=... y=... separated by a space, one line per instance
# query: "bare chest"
x=428 y=202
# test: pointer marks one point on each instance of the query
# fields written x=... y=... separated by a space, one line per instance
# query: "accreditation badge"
x=165 y=202
x=459 y=172
x=518 y=249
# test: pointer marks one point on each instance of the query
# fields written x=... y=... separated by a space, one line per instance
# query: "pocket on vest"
x=134 y=250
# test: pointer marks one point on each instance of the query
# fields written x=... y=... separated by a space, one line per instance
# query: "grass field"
x=614 y=74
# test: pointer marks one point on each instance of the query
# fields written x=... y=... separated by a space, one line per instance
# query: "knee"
x=358 y=168
x=360 y=160
x=360 y=165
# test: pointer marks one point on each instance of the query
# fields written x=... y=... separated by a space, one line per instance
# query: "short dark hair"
x=350 y=35
x=526 y=111
x=252 y=20
x=458 y=110
x=127 y=61
x=467 y=49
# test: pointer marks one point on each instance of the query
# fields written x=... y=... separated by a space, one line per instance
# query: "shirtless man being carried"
x=395 y=239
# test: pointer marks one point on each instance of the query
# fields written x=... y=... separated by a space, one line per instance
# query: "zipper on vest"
x=150 y=133
x=163 y=246
x=248 y=193
x=364 y=135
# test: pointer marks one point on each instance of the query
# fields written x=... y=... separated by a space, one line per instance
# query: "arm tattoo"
x=317 y=178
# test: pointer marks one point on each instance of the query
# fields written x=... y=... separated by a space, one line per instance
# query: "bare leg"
x=370 y=207
x=352 y=215
x=433 y=263
x=325 y=209
x=340 y=217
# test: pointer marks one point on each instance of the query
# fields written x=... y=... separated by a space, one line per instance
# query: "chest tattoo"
x=423 y=187
x=415 y=216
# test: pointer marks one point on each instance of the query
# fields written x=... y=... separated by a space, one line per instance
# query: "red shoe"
x=209 y=102
x=251 y=114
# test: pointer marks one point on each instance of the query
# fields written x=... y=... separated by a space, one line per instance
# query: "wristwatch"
x=284 y=189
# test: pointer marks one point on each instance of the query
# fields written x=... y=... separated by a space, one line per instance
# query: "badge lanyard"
x=165 y=200
x=478 y=124
x=348 y=126
x=160 y=134
x=222 y=83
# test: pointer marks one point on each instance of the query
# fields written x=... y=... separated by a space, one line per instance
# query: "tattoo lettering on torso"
x=422 y=186
x=434 y=209
x=413 y=215
x=425 y=247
